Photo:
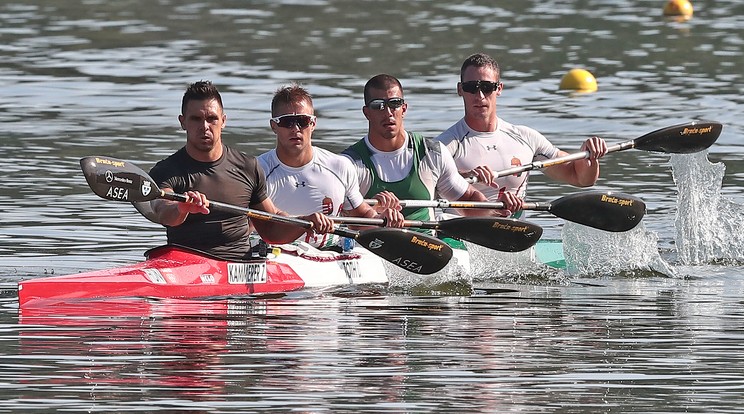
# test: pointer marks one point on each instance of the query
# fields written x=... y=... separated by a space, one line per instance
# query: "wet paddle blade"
x=603 y=210
x=502 y=234
x=409 y=250
x=685 y=138
x=118 y=180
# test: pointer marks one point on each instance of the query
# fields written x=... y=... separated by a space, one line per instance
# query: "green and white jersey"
x=420 y=170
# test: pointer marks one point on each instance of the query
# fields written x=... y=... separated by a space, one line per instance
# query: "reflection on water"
x=647 y=321
x=599 y=347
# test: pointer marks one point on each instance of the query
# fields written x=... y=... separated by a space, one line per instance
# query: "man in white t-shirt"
x=394 y=164
x=302 y=179
x=481 y=143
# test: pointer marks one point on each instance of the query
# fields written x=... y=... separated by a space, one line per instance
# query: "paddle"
x=497 y=233
x=118 y=180
x=604 y=210
x=684 y=138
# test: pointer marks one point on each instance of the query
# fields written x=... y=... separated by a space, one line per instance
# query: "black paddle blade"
x=604 y=210
x=409 y=250
x=118 y=180
x=497 y=233
x=686 y=138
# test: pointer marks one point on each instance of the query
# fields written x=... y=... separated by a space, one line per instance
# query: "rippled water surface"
x=645 y=321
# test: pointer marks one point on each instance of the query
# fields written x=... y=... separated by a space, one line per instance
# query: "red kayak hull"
x=168 y=272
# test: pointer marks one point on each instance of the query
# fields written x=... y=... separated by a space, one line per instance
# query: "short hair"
x=286 y=95
x=202 y=90
x=381 y=81
x=480 y=60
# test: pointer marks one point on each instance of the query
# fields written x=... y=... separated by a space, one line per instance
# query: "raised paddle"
x=604 y=210
x=497 y=233
x=686 y=138
x=118 y=180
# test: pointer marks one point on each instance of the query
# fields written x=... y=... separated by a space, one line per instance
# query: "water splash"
x=590 y=251
x=484 y=265
x=709 y=227
x=453 y=279
x=518 y=267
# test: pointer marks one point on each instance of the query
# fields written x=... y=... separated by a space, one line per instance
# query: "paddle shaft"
x=258 y=214
x=496 y=205
x=561 y=160
x=497 y=233
x=362 y=221
x=676 y=139
x=602 y=210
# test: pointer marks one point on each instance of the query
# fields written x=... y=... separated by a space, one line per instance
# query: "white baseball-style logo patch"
x=146 y=188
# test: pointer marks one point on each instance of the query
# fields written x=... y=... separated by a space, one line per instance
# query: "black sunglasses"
x=380 y=104
x=484 y=86
x=289 y=120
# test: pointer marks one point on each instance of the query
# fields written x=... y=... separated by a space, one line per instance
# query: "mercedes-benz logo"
x=109 y=176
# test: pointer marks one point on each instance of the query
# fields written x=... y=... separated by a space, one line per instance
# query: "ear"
x=224 y=120
x=180 y=121
x=272 y=125
x=364 y=111
x=501 y=87
x=459 y=88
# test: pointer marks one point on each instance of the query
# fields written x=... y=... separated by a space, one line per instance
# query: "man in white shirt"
x=206 y=169
x=302 y=179
x=481 y=143
x=394 y=164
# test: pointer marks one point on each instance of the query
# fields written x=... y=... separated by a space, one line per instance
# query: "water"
x=647 y=321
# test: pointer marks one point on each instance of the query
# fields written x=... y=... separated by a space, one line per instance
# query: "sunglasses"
x=302 y=121
x=380 y=104
x=484 y=86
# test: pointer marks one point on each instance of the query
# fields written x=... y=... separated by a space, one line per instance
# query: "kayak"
x=550 y=253
x=178 y=272
x=173 y=271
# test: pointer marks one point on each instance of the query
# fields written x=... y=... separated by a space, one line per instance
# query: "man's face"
x=387 y=121
x=294 y=125
x=203 y=122
x=478 y=90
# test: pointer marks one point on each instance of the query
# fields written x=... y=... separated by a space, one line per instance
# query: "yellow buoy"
x=579 y=80
x=678 y=8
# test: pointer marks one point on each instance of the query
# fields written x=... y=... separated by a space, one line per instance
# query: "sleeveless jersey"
x=420 y=170
x=509 y=146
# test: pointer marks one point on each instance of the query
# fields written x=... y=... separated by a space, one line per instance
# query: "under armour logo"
x=492 y=147
x=300 y=184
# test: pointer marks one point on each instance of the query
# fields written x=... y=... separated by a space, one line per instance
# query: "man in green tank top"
x=395 y=164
